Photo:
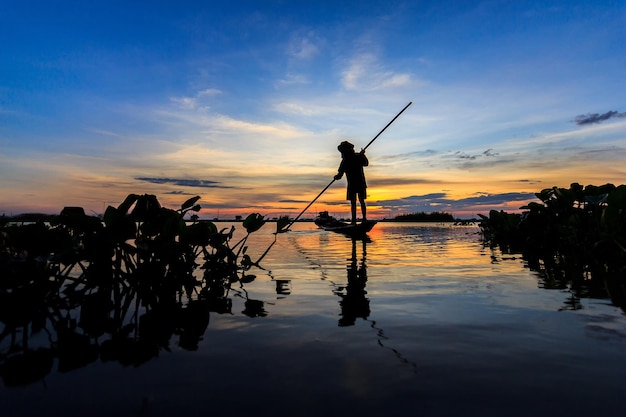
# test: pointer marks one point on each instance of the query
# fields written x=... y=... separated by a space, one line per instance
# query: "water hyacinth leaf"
x=545 y=194
x=198 y=233
x=75 y=218
x=617 y=198
x=120 y=225
x=246 y=279
x=210 y=226
x=577 y=191
x=246 y=261
x=599 y=189
x=253 y=222
x=127 y=203
x=533 y=206
x=190 y=203
x=172 y=222
x=147 y=208
x=610 y=219
x=142 y=243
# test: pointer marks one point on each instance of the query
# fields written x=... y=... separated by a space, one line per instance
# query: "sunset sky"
x=245 y=102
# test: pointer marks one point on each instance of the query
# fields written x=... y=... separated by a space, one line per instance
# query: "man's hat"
x=345 y=146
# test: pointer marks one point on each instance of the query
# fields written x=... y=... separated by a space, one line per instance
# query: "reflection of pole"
x=354 y=304
x=381 y=336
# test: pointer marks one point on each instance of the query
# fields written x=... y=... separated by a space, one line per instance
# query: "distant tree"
x=435 y=216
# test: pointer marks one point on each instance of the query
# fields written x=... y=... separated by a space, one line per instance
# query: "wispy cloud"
x=293 y=79
x=305 y=47
x=184 y=182
x=209 y=92
x=195 y=101
x=486 y=154
x=104 y=132
x=364 y=73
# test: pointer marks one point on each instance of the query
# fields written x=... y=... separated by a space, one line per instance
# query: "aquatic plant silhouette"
x=575 y=238
x=116 y=288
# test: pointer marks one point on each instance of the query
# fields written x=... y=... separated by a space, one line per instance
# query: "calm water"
x=419 y=320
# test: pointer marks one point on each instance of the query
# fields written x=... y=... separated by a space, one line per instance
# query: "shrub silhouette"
x=117 y=288
x=575 y=237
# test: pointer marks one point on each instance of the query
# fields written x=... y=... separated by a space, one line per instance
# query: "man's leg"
x=363 y=208
x=353 y=208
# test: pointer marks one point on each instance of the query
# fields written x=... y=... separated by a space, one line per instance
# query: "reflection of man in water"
x=354 y=304
x=352 y=164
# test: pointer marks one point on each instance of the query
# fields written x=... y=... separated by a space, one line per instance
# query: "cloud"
x=178 y=193
x=185 y=102
x=396 y=80
x=442 y=202
x=183 y=182
x=487 y=199
x=365 y=73
x=486 y=154
x=292 y=201
x=304 y=48
x=191 y=103
x=592 y=118
x=209 y=92
x=293 y=79
x=104 y=132
x=528 y=181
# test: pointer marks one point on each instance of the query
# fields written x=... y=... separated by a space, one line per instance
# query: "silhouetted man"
x=352 y=164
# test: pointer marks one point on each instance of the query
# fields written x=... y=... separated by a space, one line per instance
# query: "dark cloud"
x=591 y=118
x=463 y=155
x=292 y=201
x=409 y=155
x=496 y=199
x=416 y=201
x=528 y=181
x=482 y=202
x=486 y=154
x=178 y=193
x=183 y=182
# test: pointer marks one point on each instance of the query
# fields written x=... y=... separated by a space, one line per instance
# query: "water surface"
x=419 y=319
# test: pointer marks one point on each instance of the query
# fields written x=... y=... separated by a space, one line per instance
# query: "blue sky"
x=244 y=102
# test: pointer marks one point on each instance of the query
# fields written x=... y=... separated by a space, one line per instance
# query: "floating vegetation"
x=117 y=287
x=575 y=238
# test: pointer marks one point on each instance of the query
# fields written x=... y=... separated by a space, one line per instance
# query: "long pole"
x=388 y=124
x=333 y=180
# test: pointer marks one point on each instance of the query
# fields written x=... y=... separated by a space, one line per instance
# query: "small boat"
x=324 y=220
x=331 y=224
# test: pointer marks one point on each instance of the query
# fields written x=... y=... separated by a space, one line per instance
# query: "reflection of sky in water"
x=417 y=321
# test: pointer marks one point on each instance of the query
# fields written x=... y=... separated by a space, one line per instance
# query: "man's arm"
x=364 y=160
x=340 y=171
